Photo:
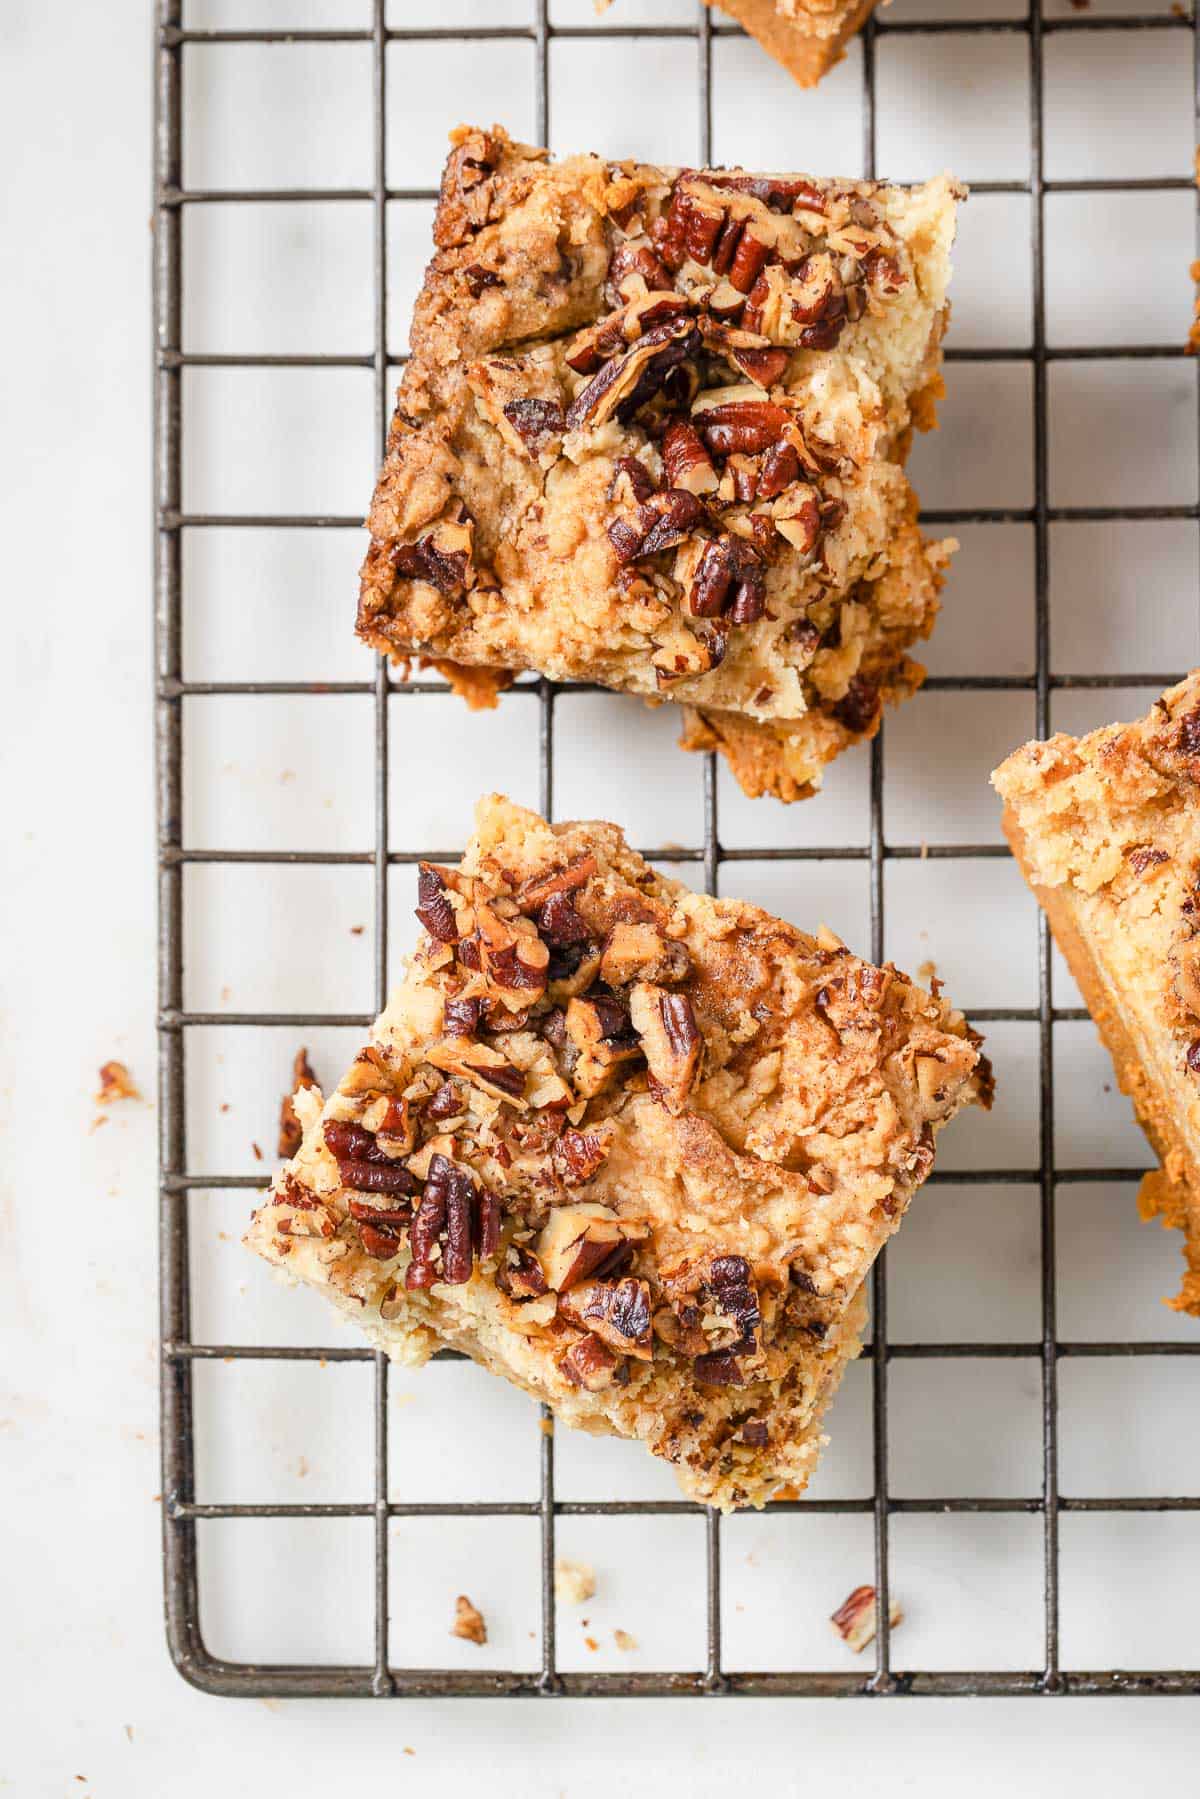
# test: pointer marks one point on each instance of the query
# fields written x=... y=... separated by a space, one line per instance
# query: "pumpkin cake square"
x=631 y=1147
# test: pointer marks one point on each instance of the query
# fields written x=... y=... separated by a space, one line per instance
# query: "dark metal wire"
x=181 y=1512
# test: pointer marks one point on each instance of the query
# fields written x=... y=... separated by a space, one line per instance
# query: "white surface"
x=83 y=1642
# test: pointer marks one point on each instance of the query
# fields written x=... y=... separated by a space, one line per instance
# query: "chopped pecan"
x=686 y=462
x=579 y=1241
x=1187 y=733
x=1192 y=1056
x=480 y=1064
x=433 y=907
x=629 y=469
x=780 y=467
x=860 y=706
x=755 y=357
x=754 y=1433
x=446 y=1102
x=570 y=879
x=718 y=1369
x=781 y=193
x=732 y=1286
x=488 y=1220
x=797 y=516
x=538 y=423
x=634 y=259
x=362 y=1164
x=290 y=1131
x=380 y=1241
x=857 y=1618
x=559 y=923
x=667 y=518
x=627 y=381
x=625 y=539
x=477 y=278
x=1142 y=856
x=460 y=1017
x=442 y=558
x=635 y=949
x=713 y=583
x=520 y=1274
x=601 y=1033
x=589 y=1364
x=671 y=1041
x=618 y=1312
x=577 y=1155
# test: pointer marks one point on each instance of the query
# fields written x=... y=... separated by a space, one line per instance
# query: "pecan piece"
x=589 y=1364
x=671 y=1041
x=797 y=516
x=857 y=1618
x=686 y=462
x=577 y=1155
x=290 y=1132
x=480 y=1064
x=634 y=259
x=477 y=278
x=601 y=1033
x=361 y=1163
x=625 y=539
x=636 y=950
x=580 y=1240
x=618 y=1312
x=860 y=706
x=780 y=467
x=442 y=558
x=460 y=1017
x=520 y=1275
x=538 y=423
x=667 y=518
x=380 y=1241
x=628 y=381
x=570 y=879
x=559 y=923
x=433 y=906
x=718 y=1369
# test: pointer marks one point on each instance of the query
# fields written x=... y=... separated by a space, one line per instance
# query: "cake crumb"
x=591 y=1642
x=258 y=1154
x=468 y=1621
x=574 y=1582
x=928 y=970
x=116 y=1083
x=624 y=1640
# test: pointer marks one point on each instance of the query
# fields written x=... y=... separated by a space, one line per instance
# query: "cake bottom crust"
x=1171 y=1192
x=806 y=55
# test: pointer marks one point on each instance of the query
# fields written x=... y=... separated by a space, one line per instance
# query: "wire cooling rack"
x=180 y=1354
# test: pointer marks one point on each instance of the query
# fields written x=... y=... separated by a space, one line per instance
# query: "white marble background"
x=77 y=1383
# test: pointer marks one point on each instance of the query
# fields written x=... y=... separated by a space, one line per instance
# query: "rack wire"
x=180 y=1353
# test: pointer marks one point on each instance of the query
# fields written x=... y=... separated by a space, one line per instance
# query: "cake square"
x=631 y=1147
x=1106 y=828
x=652 y=437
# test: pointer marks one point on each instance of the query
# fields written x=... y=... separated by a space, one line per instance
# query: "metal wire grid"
x=181 y=1512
